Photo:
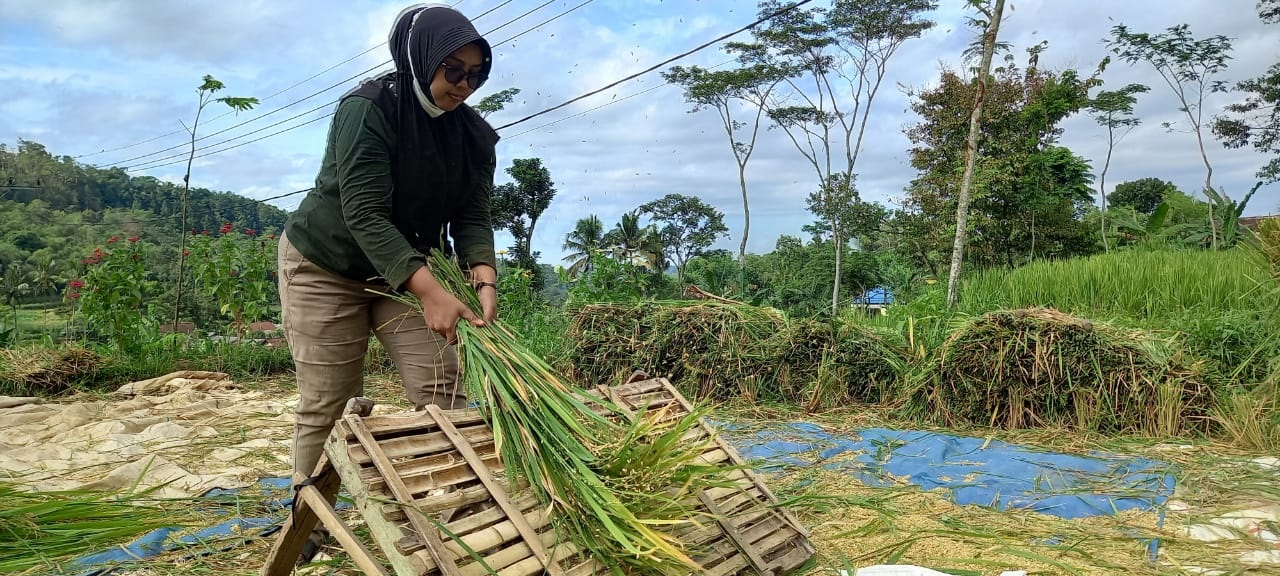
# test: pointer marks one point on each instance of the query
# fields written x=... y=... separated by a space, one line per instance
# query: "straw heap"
x=1039 y=367
x=617 y=486
x=724 y=350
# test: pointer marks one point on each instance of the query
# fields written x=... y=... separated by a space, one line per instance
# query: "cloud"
x=82 y=78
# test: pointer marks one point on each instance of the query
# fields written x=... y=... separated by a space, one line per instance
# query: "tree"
x=517 y=205
x=496 y=102
x=1113 y=109
x=726 y=91
x=990 y=29
x=204 y=96
x=1188 y=66
x=854 y=41
x=1143 y=194
x=640 y=246
x=689 y=226
x=1026 y=191
x=586 y=239
x=1256 y=120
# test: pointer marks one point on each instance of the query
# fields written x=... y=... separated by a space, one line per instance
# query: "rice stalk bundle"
x=1039 y=367
x=617 y=486
x=48 y=529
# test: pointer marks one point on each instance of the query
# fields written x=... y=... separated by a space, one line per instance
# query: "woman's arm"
x=363 y=141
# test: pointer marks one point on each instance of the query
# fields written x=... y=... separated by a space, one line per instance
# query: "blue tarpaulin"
x=278 y=500
x=972 y=470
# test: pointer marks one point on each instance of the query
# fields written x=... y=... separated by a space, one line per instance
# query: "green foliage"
x=689 y=226
x=237 y=269
x=517 y=205
x=636 y=245
x=586 y=240
x=496 y=102
x=1028 y=192
x=797 y=277
x=1256 y=121
x=115 y=292
x=1143 y=194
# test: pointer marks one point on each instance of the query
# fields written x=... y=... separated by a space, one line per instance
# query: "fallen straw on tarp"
x=618 y=488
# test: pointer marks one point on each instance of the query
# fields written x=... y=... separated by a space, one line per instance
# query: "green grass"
x=1137 y=284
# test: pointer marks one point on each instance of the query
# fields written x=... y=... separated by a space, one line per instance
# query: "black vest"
x=435 y=179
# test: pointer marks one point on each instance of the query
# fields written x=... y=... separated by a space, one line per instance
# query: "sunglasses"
x=454 y=74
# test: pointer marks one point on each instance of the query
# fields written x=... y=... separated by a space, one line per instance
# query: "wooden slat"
x=393 y=424
x=444 y=477
x=497 y=491
x=469 y=524
x=731 y=566
x=736 y=537
x=508 y=556
x=340 y=532
x=440 y=503
x=420 y=523
x=421 y=444
x=297 y=528
x=425 y=463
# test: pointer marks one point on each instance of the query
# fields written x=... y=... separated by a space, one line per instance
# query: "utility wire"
x=531 y=116
x=660 y=64
x=299 y=101
x=180 y=157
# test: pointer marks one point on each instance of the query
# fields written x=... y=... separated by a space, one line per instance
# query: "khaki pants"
x=327 y=321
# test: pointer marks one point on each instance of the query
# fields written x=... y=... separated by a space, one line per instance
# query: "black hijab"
x=436 y=160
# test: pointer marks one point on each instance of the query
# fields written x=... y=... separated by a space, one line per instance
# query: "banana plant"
x=1230 y=211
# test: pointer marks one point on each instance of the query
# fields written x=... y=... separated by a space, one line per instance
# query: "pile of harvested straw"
x=722 y=350
x=1039 y=367
x=45 y=371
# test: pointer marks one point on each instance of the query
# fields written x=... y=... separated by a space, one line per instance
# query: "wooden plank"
x=734 y=536
x=419 y=521
x=297 y=528
x=497 y=491
x=444 y=477
x=385 y=531
x=731 y=566
x=425 y=463
x=469 y=524
x=359 y=553
x=421 y=444
x=400 y=423
x=440 y=503
x=508 y=556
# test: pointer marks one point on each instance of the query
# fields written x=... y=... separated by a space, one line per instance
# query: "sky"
x=109 y=82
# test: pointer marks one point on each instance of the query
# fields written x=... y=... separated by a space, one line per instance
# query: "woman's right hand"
x=440 y=309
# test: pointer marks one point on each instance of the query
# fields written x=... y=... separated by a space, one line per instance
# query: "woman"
x=405 y=160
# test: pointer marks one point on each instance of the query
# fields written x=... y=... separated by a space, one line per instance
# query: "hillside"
x=32 y=174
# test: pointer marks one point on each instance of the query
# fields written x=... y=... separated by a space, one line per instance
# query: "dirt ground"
x=198 y=431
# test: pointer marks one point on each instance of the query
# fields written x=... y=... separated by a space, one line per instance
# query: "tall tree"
x=853 y=41
x=1026 y=192
x=688 y=226
x=990 y=29
x=204 y=95
x=1188 y=65
x=585 y=240
x=1113 y=109
x=1256 y=120
x=728 y=92
x=516 y=207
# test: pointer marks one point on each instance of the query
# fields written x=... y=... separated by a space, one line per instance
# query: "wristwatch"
x=478 y=285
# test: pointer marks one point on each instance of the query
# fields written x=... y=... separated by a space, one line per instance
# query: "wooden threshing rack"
x=465 y=520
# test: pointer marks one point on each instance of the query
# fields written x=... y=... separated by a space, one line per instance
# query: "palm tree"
x=632 y=243
x=585 y=240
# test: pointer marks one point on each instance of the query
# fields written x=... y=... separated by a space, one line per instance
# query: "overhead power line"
x=277 y=93
x=180 y=157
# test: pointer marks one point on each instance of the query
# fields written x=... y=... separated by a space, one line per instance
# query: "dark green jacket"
x=345 y=224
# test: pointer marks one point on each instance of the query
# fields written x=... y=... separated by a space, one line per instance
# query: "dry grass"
x=44 y=371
